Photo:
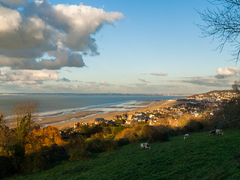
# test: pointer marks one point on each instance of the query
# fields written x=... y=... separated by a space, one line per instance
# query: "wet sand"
x=65 y=118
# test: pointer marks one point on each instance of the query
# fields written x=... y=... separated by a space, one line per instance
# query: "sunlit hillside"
x=200 y=157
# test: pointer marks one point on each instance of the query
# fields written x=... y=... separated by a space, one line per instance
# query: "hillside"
x=209 y=94
x=200 y=157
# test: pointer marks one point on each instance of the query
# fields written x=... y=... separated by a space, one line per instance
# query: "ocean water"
x=67 y=103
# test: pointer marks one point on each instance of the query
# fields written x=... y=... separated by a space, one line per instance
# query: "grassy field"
x=199 y=157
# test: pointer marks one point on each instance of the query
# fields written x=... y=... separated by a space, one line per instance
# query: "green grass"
x=200 y=157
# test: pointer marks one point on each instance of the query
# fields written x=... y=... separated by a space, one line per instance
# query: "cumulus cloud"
x=159 y=74
x=13 y=3
x=28 y=76
x=63 y=58
x=10 y=19
x=63 y=32
x=227 y=72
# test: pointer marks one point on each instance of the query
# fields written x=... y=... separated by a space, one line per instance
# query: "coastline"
x=88 y=116
x=64 y=121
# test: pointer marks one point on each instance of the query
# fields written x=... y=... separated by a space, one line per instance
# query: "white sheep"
x=186 y=136
x=219 y=131
x=145 y=145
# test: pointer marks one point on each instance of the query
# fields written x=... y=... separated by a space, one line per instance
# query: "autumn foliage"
x=140 y=133
x=39 y=138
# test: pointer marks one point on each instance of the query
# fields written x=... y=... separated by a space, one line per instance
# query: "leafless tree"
x=223 y=24
x=236 y=86
x=24 y=117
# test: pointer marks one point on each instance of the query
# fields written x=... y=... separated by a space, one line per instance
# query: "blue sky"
x=136 y=47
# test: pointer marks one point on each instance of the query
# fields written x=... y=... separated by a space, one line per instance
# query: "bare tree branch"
x=223 y=24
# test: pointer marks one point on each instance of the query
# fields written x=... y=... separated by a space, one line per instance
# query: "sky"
x=110 y=46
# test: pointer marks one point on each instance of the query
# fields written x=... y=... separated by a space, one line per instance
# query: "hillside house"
x=99 y=120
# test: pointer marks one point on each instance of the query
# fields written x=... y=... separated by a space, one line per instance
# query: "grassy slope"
x=200 y=157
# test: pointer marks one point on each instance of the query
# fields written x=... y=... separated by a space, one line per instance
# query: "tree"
x=39 y=138
x=223 y=24
x=1 y=117
x=23 y=114
x=7 y=139
x=24 y=117
x=236 y=86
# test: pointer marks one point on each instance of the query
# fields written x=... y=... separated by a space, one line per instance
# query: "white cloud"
x=227 y=72
x=64 y=32
x=159 y=74
x=28 y=76
x=9 y=19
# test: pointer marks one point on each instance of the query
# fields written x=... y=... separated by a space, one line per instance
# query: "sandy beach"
x=63 y=121
x=68 y=120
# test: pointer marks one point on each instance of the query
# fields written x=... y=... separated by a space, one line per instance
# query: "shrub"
x=192 y=126
x=54 y=152
x=115 y=130
x=34 y=162
x=140 y=133
x=77 y=142
x=44 y=159
x=120 y=121
x=122 y=142
x=79 y=154
x=134 y=134
x=123 y=134
x=145 y=131
x=129 y=134
x=6 y=167
x=158 y=134
x=95 y=145
x=101 y=145
x=109 y=145
x=97 y=136
x=174 y=132
x=88 y=131
x=107 y=130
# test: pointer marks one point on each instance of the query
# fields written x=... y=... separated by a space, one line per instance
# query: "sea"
x=50 y=104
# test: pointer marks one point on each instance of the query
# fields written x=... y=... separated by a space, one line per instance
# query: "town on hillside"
x=197 y=106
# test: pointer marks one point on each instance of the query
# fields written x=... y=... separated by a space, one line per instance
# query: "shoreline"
x=90 y=116
x=67 y=120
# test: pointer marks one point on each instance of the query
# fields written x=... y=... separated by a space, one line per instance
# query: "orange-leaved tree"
x=38 y=138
